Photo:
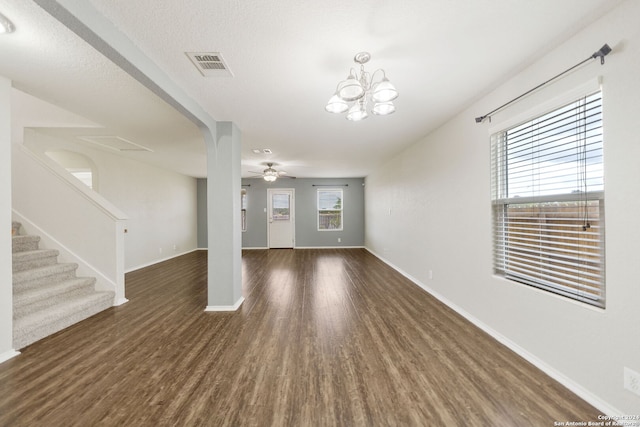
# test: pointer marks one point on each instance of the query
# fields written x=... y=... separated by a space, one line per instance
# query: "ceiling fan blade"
x=271 y=171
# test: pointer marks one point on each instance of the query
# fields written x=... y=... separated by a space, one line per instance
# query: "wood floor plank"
x=324 y=338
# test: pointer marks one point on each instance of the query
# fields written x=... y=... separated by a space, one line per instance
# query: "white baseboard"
x=159 y=260
x=576 y=388
x=308 y=247
x=8 y=355
x=329 y=247
x=120 y=301
x=233 y=307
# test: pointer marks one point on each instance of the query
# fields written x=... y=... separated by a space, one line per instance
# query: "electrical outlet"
x=632 y=380
x=430 y=274
x=339 y=240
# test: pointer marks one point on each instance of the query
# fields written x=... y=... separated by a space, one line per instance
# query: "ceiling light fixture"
x=6 y=26
x=360 y=89
x=270 y=174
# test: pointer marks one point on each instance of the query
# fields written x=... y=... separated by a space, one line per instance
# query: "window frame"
x=319 y=211
x=243 y=210
x=507 y=254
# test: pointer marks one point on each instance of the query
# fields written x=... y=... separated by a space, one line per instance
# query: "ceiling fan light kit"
x=362 y=88
x=270 y=174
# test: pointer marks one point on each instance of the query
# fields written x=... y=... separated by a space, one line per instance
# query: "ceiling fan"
x=270 y=174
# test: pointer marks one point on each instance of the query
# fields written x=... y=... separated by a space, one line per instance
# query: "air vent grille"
x=208 y=58
x=210 y=64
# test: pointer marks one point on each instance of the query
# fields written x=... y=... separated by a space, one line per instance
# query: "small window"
x=548 y=202
x=243 y=205
x=330 y=209
x=78 y=165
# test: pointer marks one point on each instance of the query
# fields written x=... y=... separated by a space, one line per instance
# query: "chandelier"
x=353 y=94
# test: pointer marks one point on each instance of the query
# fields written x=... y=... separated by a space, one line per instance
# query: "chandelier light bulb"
x=357 y=112
x=383 y=108
x=350 y=89
x=384 y=91
x=336 y=105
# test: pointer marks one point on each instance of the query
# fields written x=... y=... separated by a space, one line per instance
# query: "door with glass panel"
x=280 y=218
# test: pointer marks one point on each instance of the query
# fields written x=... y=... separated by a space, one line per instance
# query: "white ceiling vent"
x=114 y=143
x=210 y=64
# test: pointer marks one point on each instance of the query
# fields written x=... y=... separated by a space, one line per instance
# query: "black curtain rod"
x=246 y=185
x=329 y=185
x=604 y=51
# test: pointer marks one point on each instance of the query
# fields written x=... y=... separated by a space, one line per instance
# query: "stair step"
x=47 y=295
x=49 y=274
x=27 y=260
x=24 y=243
x=32 y=300
x=35 y=326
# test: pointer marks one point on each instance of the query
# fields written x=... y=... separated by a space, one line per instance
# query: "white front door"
x=281 y=218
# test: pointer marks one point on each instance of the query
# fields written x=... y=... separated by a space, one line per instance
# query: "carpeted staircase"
x=47 y=295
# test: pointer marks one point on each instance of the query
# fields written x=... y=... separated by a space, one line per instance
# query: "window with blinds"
x=548 y=202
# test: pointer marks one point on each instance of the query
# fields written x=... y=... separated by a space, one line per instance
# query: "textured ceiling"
x=44 y=59
x=286 y=57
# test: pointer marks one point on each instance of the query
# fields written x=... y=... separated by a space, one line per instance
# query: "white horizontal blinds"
x=548 y=201
x=543 y=155
x=544 y=245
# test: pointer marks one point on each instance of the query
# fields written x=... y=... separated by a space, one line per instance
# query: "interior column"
x=223 y=218
x=6 y=289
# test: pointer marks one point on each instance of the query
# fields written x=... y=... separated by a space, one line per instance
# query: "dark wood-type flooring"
x=324 y=338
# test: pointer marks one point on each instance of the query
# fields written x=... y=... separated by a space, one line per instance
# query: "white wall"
x=429 y=209
x=160 y=204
